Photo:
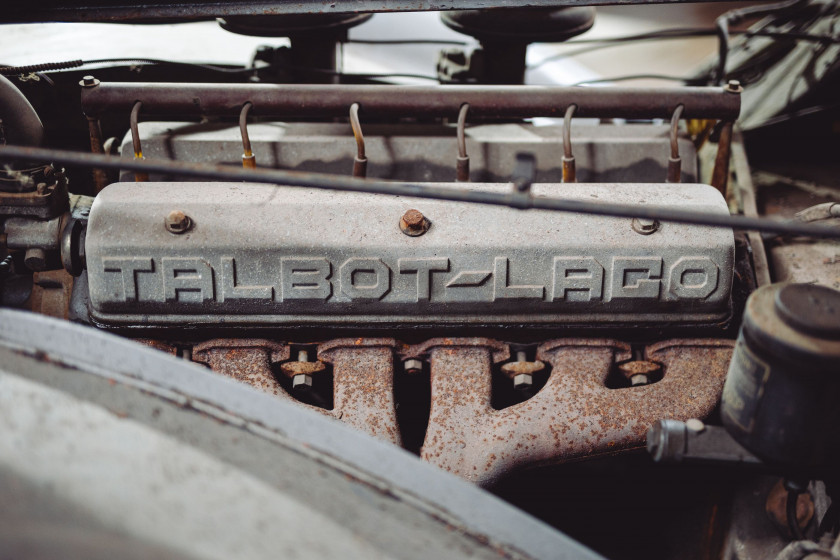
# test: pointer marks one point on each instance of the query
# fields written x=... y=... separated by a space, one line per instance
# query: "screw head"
x=302 y=382
x=523 y=381
x=89 y=81
x=414 y=223
x=177 y=222
x=644 y=226
x=733 y=86
x=639 y=379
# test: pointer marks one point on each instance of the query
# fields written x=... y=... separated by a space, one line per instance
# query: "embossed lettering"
x=693 y=278
x=362 y=278
x=305 y=278
x=187 y=280
x=127 y=267
x=423 y=268
x=577 y=279
x=501 y=288
x=635 y=277
x=230 y=289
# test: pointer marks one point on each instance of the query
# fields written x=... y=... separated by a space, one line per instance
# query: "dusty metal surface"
x=606 y=153
x=363 y=371
x=301 y=101
x=243 y=359
x=51 y=291
x=212 y=468
x=807 y=261
x=287 y=256
x=575 y=415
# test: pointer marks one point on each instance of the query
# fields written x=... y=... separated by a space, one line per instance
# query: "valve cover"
x=261 y=255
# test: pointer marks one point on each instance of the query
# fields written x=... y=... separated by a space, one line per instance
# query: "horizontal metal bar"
x=305 y=101
x=514 y=199
x=167 y=11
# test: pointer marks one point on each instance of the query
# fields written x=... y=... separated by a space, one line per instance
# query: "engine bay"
x=531 y=287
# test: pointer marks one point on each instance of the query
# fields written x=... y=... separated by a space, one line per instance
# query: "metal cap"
x=810 y=308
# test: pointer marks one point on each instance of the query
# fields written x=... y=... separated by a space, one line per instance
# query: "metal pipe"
x=180 y=101
x=720 y=173
x=674 y=162
x=135 y=139
x=569 y=170
x=360 y=161
x=462 y=163
x=249 y=161
x=100 y=180
x=511 y=198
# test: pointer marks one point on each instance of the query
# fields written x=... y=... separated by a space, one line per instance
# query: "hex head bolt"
x=645 y=226
x=522 y=371
x=640 y=372
x=301 y=371
x=177 y=222
x=413 y=223
x=412 y=366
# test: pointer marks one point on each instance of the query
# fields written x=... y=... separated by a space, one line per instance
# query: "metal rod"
x=100 y=180
x=569 y=170
x=179 y=101
x=462 y=163
x=674 y=162
x=720 y=173
x=139 y=176
x=360 y=161
x=248 y=159
x=521 y=200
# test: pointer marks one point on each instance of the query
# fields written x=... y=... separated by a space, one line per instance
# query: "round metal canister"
x=781 y=399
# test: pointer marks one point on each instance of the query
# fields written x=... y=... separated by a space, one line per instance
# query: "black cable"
x=43 y=67
x=520 y=200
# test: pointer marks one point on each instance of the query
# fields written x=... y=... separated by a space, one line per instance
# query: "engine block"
x=260 y=255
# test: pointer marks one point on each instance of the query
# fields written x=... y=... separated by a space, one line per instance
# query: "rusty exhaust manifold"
x=574 y=415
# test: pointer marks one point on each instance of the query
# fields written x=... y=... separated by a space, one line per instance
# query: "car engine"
x=533 y=287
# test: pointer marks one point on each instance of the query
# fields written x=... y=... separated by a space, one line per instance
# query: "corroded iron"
x=575 y=415
x=244 y=359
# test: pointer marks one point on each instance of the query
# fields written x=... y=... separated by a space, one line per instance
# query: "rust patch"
x=247 y=360
x=574 y=415
x=363 y=376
